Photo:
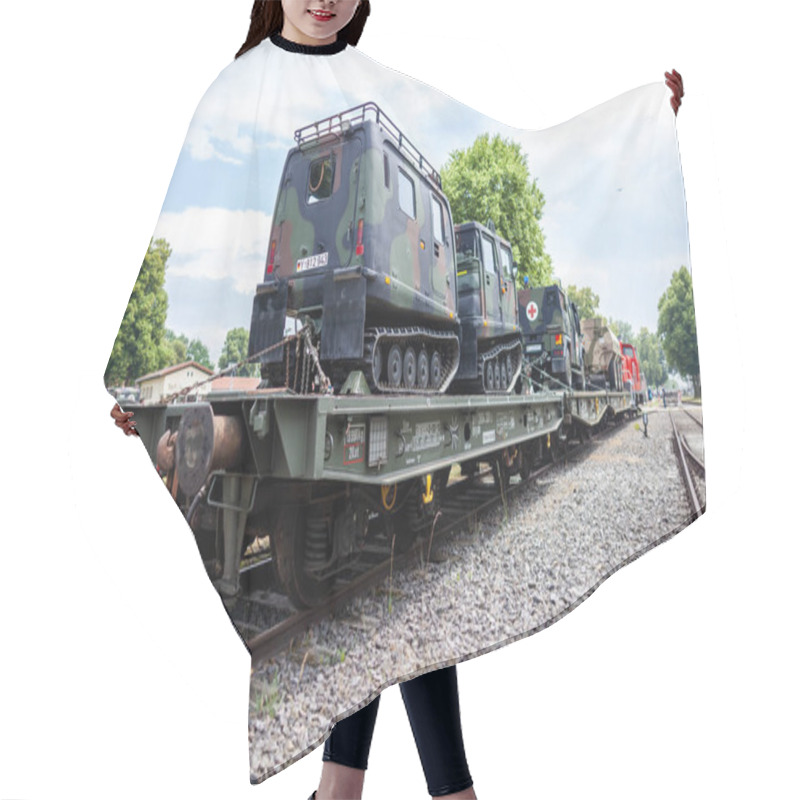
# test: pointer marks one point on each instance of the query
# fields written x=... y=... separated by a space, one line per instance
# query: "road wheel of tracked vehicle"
x=394 y=366
x=489 y=378
x=436 y=370
x=300 y=541
x=503 y=376
x=410 y=368
x=497 y=375
x=377 y=364
x=423 y=370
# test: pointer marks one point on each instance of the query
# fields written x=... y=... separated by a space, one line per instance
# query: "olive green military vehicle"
x=491 y=349
x=362 y=250
x=551 y=336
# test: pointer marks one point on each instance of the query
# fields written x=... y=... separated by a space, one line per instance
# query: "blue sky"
x=614 y=217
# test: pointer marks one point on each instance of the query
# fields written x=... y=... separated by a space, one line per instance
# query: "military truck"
x=551 y=337
x=491 y=349
x=361 y=250
x=603 y=356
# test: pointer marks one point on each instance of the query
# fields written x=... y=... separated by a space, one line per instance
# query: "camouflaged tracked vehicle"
x=551 y=336
x=362 y=249
x=491 y=348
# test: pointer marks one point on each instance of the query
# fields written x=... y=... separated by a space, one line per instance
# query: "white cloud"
x=217 y=243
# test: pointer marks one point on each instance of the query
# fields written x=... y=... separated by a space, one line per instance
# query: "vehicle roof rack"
x=332 y=126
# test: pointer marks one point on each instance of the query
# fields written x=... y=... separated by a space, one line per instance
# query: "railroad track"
x=268 y=623
x=691 y=466
x=693 y=417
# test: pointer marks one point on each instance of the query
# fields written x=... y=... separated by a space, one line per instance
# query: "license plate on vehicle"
x=319 y=260
x=533 y=348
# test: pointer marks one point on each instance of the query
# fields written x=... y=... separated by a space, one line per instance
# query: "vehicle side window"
x=320 y=179
x=506 y=260
x=437 y=216
x=489 y=258
x=405 y=192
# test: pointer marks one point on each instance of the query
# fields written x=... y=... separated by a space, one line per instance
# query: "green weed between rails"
x=267 y=697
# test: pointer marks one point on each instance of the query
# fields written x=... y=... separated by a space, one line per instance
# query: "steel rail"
x=686 y=475
x=693 y=418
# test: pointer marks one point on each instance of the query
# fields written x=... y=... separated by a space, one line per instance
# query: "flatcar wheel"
x=295 y=538
x=410 y=368
x=436 y=370
x=394 y=366
x=377 y=364
x=423 y=371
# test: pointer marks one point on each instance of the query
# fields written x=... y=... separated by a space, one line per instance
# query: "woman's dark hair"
x=266 y=18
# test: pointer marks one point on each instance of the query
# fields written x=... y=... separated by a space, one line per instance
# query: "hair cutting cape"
x=602 y=209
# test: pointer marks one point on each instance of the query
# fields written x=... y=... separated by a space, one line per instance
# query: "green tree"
x=235 y=350
x=176 y=348
x=586 y=301
x=652 y=361
x=173 y=348
x=138 y=347
x=197 y=351
x=491 y=180
x=677 y=327
x=622 y=330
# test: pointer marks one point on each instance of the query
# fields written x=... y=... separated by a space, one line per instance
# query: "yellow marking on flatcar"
x=385 y=490
x=427 y=496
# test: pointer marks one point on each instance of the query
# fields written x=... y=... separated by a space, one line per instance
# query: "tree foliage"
x=677 y=327
x=622 y=330
x=177 y=348
x=138 y=348
x=652 y=361
x=491 y=180
x=235 y=350
x=586 y=301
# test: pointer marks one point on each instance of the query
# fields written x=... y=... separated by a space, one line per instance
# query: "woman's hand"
x=675 y=82
x=124 y=420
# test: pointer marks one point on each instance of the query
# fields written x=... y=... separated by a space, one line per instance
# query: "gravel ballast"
x=505 y=577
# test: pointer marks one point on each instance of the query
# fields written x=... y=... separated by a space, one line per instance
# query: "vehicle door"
x=508 y=289
x=469 y=278
x=491 y=279
x=317 y=207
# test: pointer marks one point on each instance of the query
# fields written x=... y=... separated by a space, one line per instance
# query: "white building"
x=158 y=386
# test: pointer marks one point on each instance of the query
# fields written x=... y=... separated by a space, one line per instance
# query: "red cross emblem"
x=532 y=311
